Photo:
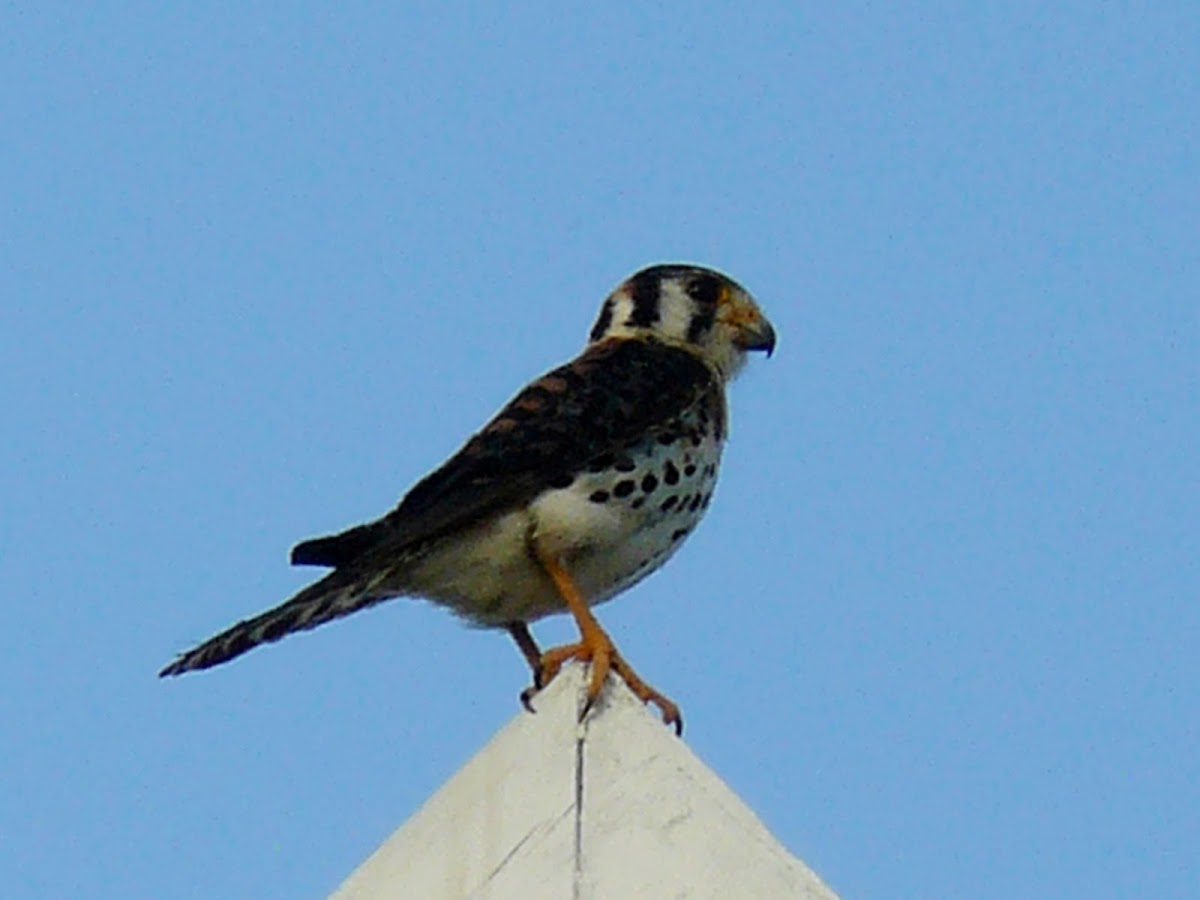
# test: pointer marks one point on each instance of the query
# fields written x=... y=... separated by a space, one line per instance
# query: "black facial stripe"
x=705 y=291
x=644 y=289
x=702 y=323
x=604 y=320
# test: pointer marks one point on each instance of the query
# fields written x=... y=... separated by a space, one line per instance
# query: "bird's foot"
x=670 y=712
x=551 y=663
x=598 y=649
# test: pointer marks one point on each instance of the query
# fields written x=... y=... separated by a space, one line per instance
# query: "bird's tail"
x=337 y=594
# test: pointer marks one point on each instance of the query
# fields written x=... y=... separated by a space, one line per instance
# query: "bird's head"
x=692 y=307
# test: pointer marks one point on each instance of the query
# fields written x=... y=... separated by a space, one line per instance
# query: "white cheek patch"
x=676 y=310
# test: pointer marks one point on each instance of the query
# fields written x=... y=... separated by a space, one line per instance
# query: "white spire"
x=615 y=807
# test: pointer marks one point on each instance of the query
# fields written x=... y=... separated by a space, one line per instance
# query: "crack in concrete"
x=577 y=879
x=537 y=831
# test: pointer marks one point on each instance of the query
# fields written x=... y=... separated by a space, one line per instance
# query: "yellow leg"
x=596 y=647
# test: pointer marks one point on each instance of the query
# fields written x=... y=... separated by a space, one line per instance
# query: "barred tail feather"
x=332 y=597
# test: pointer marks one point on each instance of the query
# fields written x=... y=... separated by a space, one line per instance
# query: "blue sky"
x=262 y=269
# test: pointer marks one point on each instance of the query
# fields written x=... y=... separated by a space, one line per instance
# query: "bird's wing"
x=612 y=395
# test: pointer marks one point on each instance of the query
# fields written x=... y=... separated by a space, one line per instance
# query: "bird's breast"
x=628 y=512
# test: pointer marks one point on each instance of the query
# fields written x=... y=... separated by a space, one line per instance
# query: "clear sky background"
x=262 y=269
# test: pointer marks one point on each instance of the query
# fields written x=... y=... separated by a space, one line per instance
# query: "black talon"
x=527 y=696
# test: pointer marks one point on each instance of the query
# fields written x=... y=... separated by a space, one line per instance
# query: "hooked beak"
x=757 y=335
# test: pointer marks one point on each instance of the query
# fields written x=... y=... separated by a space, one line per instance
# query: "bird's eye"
x=705 y=290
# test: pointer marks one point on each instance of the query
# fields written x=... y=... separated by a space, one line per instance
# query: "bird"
x=584 y=483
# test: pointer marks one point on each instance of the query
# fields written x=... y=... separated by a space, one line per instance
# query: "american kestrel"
x=585 y=483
